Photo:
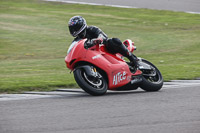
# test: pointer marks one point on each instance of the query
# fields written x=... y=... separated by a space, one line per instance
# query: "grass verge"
x=34 y=39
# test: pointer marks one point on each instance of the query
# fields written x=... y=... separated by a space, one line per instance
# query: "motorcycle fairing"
x=117 y=70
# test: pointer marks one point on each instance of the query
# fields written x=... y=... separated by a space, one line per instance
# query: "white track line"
x=9 y=97
x=97 y=4
x=87 y=3
x=79 y=92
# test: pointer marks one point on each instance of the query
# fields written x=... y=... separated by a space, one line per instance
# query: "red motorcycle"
x=96 y=70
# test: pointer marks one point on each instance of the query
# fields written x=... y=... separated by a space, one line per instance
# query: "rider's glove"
x=97 y=41
x=89 y=45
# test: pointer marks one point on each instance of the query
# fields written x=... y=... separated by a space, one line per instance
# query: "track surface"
x=174 y=109
x=174 y=5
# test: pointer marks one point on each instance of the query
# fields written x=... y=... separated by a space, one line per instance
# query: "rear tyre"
x=152 y=80
x=95 y=86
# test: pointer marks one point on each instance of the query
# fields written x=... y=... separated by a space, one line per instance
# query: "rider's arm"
x=95 y=32
x=95 y=36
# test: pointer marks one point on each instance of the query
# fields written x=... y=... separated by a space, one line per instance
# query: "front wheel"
x=152 y=79
x=95 y=84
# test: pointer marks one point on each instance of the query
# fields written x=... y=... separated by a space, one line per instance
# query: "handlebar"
x=89 y=45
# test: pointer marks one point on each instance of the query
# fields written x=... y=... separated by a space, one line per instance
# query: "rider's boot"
x=133 y=61
x=119 y=47
x=132 y=58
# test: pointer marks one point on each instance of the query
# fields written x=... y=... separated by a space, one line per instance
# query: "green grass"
x=34 y=39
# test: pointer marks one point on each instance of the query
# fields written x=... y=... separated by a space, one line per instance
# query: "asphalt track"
x=174 y=109
x=191 y=6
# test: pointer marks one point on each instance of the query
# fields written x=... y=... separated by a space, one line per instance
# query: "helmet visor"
x=76 y=29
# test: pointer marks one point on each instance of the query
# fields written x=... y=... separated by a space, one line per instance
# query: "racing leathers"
x=113 y=45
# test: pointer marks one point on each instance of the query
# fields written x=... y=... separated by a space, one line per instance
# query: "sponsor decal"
x=97 y=56
x=119 y=77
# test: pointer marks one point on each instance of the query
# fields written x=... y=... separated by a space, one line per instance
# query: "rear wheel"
x=152 y=79
x=95 y=85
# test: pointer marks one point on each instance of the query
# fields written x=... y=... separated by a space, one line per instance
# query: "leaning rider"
x=78 y=28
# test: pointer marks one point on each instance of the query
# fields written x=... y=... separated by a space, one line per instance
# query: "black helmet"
x=77 y=25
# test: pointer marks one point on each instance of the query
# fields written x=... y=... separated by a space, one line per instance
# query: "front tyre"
x=152 y=79
x=95 y=85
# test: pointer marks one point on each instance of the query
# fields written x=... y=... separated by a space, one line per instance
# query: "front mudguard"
x=87 y=69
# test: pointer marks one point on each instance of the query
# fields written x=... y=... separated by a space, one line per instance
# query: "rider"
x=78 y=28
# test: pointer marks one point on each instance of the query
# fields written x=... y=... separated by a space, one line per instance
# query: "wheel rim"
x=96 y=82
x=152 y=75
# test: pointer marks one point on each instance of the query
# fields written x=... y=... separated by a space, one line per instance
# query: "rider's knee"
x=116 y=41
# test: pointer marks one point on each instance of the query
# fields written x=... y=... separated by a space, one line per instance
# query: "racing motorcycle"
x=96 y=70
